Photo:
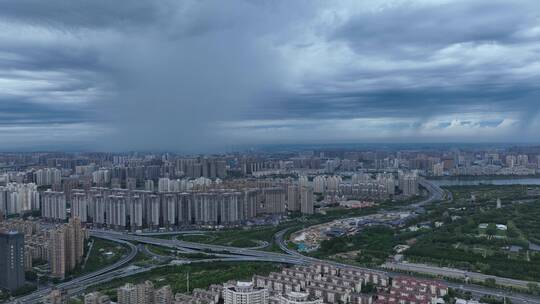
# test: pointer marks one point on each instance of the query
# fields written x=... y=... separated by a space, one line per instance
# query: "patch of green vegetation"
x=164 y=251
x=75 y=301
x=26 y=289
x=534 y=288
x=461 y=243
x=102 y=253
x=488 y=193
x=141 y=260
x=234 y=237
x=198 y=238
x=159 y=250
x=494 y=300
x=244 y=238
x=164 y=236
x=4 y=296
x=273 y=247
x=374 y=244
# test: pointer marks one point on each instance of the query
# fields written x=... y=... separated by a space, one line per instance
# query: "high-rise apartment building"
x=127 y=294
x=215 y=205
x=332 y=183
x=306 y=200
x=79 y=206
x=17 y=198
x=131 y=183
x=438 y=169
x=274 y=200
x=205 y=167
x=57 y=253
x=11 y=260
x=293 y=197
x=245 y=293
x=145 y=292
x=66 y=247
x=48 y=177
x=303 y=181
x=78 y=238
x=408 y=183
x=163 y=295
x=101 y=177
x=523 y=160
x=149 y=185
x=53 y=206
x=319 y=184
x=511 y=161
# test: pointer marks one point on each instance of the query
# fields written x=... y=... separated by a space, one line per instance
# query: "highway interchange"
x=226 y=253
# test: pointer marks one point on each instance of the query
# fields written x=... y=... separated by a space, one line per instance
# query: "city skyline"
x=203 y=77
x=327 y=225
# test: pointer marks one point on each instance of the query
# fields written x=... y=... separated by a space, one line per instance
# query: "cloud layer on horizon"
x=196 y=75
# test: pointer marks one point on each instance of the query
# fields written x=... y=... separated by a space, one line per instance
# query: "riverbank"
x=486 y=181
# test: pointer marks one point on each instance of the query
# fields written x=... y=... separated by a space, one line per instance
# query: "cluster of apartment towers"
x=138 y=209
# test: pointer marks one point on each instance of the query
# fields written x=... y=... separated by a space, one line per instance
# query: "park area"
x=487 y=229
x=481 y=235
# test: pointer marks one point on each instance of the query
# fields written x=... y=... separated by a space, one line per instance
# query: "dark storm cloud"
x=16 y=112
x=72 y=15
x=32 y=57
x=196 y=75
x=416 y=102
x=437 y=25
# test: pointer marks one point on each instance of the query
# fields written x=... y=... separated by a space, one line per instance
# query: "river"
x=486 y=181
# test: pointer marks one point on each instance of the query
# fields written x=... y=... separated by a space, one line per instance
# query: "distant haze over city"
x=200 y=76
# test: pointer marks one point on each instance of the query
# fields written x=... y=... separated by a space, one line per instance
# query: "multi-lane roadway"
x=36 y=296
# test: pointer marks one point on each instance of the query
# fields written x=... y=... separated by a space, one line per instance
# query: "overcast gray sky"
x=202 y=75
